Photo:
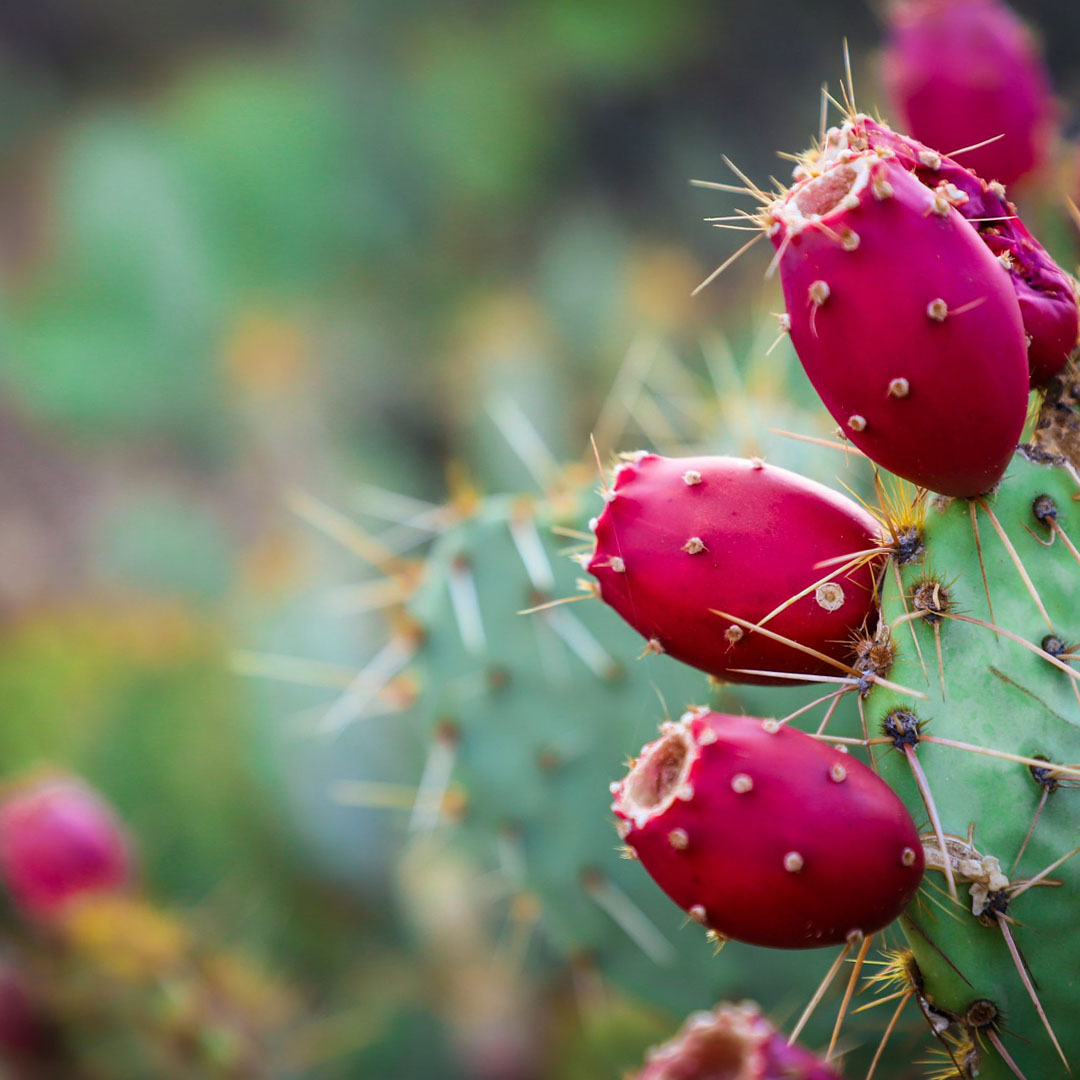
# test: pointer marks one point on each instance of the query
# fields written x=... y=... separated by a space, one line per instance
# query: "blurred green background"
x=252 y=248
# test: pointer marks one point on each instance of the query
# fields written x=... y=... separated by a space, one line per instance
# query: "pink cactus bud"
x=963 y=71
x=884 y=280
x=767 y=835
x=1047 y=298
x=733 y=1042
x=683 y=538
x=60 y=841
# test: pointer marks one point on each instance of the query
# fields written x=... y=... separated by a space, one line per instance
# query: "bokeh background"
x=257 y=253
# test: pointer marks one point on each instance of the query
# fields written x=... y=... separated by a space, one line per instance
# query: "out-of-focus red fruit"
x=733 y=1042
x=963 y=71
x=59 y=841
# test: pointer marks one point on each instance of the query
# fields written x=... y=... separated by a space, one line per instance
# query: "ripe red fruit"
x=767 y=835
x=60 y=841
x=1047 y=298
x=681 y=538
x=904 y=320
x=733 y=1042
x=963 y=71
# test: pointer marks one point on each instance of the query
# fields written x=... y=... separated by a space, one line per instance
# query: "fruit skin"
x=59 y=842
x=962 y=71
x=762 y=531
x=733 y=1042
x=1046 y=294
x=905 y=322
x=767 y=835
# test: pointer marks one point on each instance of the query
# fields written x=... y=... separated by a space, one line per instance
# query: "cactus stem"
x=728 y=261
x=931 y=808
x=1029 y=986
x=819 y=993
x=853 y=981
x=1034 y=821
x=1013 y=637
x=978 y=552
x=906 y=996
x=1020 y=568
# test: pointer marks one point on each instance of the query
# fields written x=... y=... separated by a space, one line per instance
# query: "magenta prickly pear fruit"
x=683 y=538
x=59 y=841
x=963 y=71
x=733 y=1042
x=767 y=835
x=1047 y=298
x=905 y=322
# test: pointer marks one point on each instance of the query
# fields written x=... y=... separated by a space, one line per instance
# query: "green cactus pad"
x=1002 y=696
x=541 y=711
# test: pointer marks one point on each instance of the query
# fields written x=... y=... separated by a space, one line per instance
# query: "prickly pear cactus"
x=529 y=715
x=982 y=962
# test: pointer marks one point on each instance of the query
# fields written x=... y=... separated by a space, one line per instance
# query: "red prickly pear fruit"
x=963 y=71
x=59 y=841
x=683 y=538
x=733 y=1042
x=1047 y=297
x=905 y=322
x=767 y=835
